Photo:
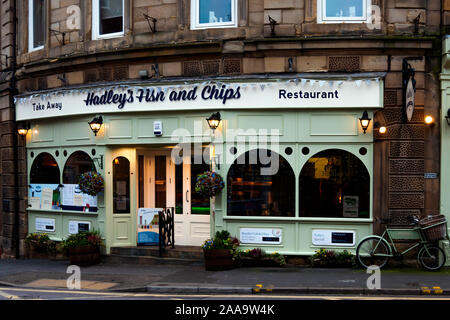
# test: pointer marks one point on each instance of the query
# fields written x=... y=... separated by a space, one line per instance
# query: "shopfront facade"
x=297 y=164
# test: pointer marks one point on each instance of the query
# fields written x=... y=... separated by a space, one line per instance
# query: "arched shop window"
x=43 y=191
x=44 y=169
x=261 y=183
x=78 y=163
x=334 y=184
x=72 y=198
x=121 y=185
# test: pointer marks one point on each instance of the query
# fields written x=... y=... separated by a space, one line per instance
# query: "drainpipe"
x=12 y=93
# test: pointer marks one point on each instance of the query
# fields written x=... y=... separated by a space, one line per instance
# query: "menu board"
x=44 y=196
x=148 y=226
x=73 y=199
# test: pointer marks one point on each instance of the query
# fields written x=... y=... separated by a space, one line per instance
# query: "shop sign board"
x=350 y=206
x=45 y=224
x=341 y=238
x=300 y=93
x=260 y=236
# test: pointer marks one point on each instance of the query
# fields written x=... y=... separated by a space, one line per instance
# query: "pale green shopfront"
x=308 y=134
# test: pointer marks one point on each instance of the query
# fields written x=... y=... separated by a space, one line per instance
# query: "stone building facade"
x=298 y=42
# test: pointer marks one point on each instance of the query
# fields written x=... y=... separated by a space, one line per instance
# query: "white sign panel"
x=45 y=224
x=77 y=226
x=292 y=93
x=260 y=236
x=351 y=206
x=339 y=238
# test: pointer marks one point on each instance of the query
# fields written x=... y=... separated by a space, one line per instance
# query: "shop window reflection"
x=44 y=169
x=77 y=164
x=121 y=185
x=256 y=192
x=334 y=184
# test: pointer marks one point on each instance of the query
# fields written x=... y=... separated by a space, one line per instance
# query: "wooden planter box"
x=218 y=259
x=84 y=256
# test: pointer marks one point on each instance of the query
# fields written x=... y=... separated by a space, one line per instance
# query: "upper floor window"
x=213 y=14
x=107 y=19
x=343 y=11
x=36 y=24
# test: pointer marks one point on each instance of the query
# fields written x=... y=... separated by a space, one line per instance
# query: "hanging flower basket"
x=91 y=182
x=209 y=183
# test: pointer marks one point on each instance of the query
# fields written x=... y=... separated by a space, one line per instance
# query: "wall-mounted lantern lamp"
x=23 y=128
x=429 y=120
x=96 y=124
x=214 y=121
x=365 y=121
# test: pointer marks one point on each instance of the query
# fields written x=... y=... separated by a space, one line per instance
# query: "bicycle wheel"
x=373 y=252
x=431 y=258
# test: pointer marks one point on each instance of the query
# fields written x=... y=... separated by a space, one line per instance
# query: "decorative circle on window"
x=32 y=154
x=288 y=151
x=65 y=153
x=260 y=182
x=233 y=150
x=57 y=153
x=334 y=184
x=44 y=170
x=305 y=150
x=363 y=151
x=78 y=163
x=93 y=152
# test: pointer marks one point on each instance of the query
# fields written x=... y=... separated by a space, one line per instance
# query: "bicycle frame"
x=387 y=236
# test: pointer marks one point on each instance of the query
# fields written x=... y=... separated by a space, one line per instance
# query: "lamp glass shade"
x=96 y=124
x=22 y=131
x=365 y=121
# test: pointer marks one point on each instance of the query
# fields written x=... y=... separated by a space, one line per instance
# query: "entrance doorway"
x=164 y=183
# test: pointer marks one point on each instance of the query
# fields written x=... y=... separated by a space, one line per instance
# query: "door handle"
x=187 y=200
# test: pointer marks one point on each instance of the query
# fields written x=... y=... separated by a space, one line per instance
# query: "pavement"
x=194 y=279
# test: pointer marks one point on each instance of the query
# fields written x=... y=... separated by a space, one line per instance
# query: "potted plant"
x=259 y=258
x=91 y=183
x=330 y=258
x=219 y=252
x=37 y=244
x=209 y=183
x=83 y=248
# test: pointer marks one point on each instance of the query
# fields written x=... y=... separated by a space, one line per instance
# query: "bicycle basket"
x=434 y=227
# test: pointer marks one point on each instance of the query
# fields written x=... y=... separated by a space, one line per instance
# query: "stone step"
x=148 y=260
x=179 y=252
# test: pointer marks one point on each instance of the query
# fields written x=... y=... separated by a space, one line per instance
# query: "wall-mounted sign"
x=430 y=175
x=260 y=236
x=291 y=93
x=333 y=238
x=350 y=206
x=157 y=128
x=45 y=224
x=79 y=226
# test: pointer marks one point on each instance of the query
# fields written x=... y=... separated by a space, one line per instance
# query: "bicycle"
x=377 y=250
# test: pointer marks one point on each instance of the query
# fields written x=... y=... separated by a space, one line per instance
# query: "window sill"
x=52 y=211
x=297 y=219
x=108 y=36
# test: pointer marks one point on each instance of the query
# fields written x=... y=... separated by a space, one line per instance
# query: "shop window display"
x=72 y=198
x=43 y=190
x=334 y=184
x=254 y=190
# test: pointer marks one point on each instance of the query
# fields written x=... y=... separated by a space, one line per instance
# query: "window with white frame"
x=107 y=18
x=213 y=14
x=343 y=11
x=36 y=24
